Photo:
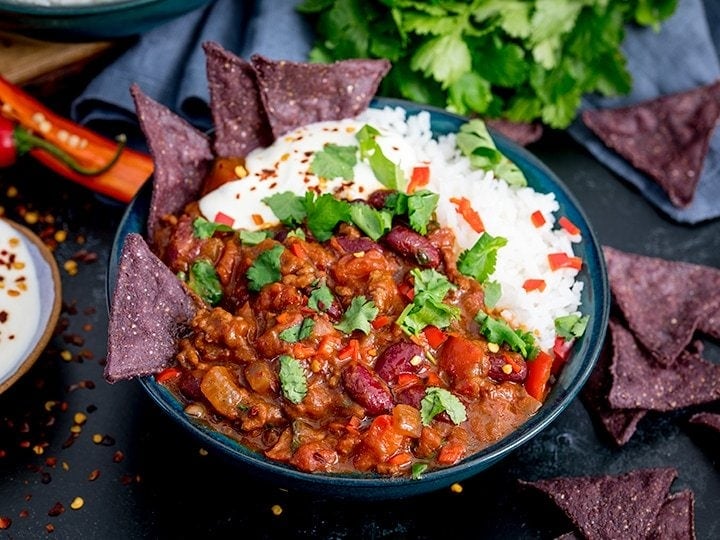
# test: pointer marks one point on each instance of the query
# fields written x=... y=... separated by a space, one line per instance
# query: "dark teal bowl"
x=91 y=22
x=595 y=302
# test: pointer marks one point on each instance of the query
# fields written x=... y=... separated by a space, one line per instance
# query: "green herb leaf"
x=203 y=279
x=265 y=269
x=298 y=332
x=498 y=331
x=321 y=297
x=475 y=142
x=479 y=261
x=324 y=213
x=292 y=379
x=571 y=326
x=204 y=229
x=287 y=207
x=439 y=400
x=427 y=307
x=492 y=291
x=253 y=238
x=389 y=174
x=334 y=161
x=372 y=222
x=417 y=470
x=358 y=316
x=419 y=207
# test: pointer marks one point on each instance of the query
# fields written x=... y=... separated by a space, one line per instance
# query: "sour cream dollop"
x=285 y=166
x=19 y=300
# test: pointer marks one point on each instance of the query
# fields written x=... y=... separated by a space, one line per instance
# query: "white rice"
x=505 y=211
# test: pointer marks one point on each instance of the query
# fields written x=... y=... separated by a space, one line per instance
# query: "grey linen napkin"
x=169 y=65
x=681 y=56
x=168 y=62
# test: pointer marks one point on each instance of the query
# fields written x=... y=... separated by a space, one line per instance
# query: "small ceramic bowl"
x=595 y=300
x=35 y=266
x=81 y=21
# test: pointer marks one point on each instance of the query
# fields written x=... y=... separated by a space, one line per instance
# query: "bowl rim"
x=53 y=314
x=78 y=9
x=356 y=485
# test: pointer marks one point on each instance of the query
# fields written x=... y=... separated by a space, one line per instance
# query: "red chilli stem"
x=26 y=141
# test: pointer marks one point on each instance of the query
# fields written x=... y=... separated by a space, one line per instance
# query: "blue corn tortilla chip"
x=707 y=419
x=149 y=309
x=666 y=138
x=181 y=154
x=295 y=93
x=241 y=124
x=638 y=382
x=523 y=133
x=676 y=518
x=619 y=424
x=664 y=302
x=622 y=506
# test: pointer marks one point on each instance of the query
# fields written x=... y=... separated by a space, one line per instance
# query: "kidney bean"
x=356 y=245
x=410 y=244
x=189 y=385
x=411 y=396
x=367 y=389
x=396 y=359
x=378 y=198
x=497 y=361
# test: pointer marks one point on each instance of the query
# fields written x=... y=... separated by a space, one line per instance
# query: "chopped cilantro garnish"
x=498 y=331
x=388 y=173
x=292 y=379
x=297 y=233
x=203 y=279
x=571 y=326
x=324 y=212
x=287 y=207
x=265 y=269
x=358 y=316
x=372 y=222
x=203 y=229
x=479 y=261
x=427 y=307
x=492 y=291
x=417 y=470
x=253 y=238
x=298 y=332
x=321 y=297
x=334 y=161
x=439 y=400
x=418 y=207
x=475 y=142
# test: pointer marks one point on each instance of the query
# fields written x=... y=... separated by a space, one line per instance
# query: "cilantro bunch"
x=523 y=60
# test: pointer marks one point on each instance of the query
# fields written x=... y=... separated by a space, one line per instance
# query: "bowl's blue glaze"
x=595 y=302
x=91 y=22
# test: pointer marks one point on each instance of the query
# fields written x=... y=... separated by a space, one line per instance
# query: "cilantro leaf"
x=389 y=174
x=500 y=332
x=571 y=326
x=372 y=222
x=298 y=332
x=287 y=207
x=204 y=229
x=292 y=379
x=475 y=142
x=417 y=470
x=253 y=238
x=437 y=400
x=358 y=316
x=479 y=261
x=334 y=161
x=493 y=292
x=265 y=269
x=203 y=279
x=321 y=297
x=419 y=207
x=427 y=307
x=324 y=212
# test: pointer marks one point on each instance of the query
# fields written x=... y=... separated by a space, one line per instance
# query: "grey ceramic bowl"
x=595 y=302
x=98 y=21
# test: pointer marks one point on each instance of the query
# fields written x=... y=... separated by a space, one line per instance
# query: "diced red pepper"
x=465 y=209
x=561 y=350
x=224 y=219
x=569 y=226
x=257 y=219
x=167 y=374
x=382 y=320
x=537 y=218
x=298 y=250
x=563 y=260
x=351 y=351
x=121 y=181
x=434 y=336
x=407 y=290
x=539 y=369
x=534 y=285
x=419 y=178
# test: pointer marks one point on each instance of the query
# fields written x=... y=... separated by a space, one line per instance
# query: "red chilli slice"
x=537 y=218
x=569 y=226
x=534 y=285
x=419 y=178
x=465 y=209
x=563 y=260
x=224 y=219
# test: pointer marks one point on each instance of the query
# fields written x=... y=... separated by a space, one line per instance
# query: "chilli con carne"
x=304 y=351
